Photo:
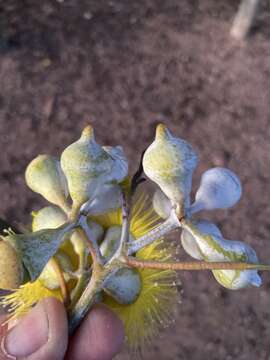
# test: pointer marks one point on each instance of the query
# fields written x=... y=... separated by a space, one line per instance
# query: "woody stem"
x=193 y=265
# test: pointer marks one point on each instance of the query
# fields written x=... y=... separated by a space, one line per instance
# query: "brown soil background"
x=124 y=66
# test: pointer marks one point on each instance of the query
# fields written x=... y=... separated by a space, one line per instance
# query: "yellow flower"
x=20 y=301
x=156 y=304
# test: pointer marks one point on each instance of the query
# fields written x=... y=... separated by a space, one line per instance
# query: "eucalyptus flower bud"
x=49 y=217
x=45 y=176
x=88 y=166
x=215 y=248
x=220 y=188
x=111 y=241
x=170 y=162
x=189 y=242
x=49 y=277
x=124 y=286
x=11 y=268
x=162 y=205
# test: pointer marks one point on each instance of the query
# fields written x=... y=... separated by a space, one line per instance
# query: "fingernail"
x=29 y=335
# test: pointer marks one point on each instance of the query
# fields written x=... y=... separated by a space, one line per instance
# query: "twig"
x=87 y=300
x=194 y=265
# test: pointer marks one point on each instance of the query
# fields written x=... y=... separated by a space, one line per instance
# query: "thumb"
x=40 y=335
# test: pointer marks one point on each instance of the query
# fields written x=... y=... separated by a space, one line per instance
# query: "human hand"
x=43 y=335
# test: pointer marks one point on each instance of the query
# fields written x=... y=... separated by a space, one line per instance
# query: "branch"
x=193 y=265
x=87 y=300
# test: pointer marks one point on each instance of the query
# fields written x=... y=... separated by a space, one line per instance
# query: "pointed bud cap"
x=87 y=167
x=170 y=162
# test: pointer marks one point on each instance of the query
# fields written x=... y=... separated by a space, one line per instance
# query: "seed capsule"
x=170 y=162
x=44 y=176
x=88 y=166
x=49 y=217
x=124 y=286
x=11 y=269
x=220 y=188
x=215 y=248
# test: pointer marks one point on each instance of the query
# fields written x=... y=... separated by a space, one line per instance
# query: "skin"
x=43 y=335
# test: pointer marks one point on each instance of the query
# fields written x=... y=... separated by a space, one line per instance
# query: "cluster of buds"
x=76 y=250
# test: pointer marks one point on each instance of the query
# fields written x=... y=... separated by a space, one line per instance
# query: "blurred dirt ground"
x=124 y=66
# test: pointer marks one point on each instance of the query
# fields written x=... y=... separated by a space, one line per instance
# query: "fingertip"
x=99 y=337
x=39 y=335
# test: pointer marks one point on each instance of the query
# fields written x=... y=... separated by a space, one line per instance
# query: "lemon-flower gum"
x=110 y=245
x=45 y=176
x=88 y=166
x=170 y=162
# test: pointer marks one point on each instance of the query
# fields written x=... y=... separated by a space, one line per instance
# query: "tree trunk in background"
x=244 y=19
